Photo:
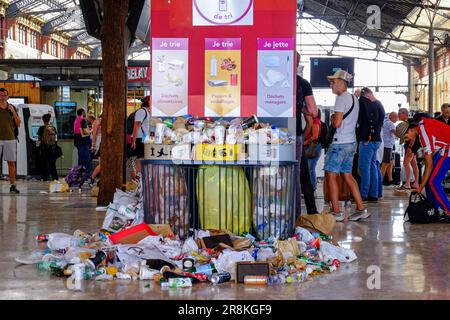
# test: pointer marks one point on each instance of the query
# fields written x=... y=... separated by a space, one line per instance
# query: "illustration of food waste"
x=170 y=76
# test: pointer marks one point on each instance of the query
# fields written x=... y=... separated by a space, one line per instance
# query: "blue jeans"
x=312 y=164
x=84 y=158
x=380 y=181
x=368 y=168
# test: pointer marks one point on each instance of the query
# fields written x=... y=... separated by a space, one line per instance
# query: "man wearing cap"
x=370 y=122
x=434 y=137
x=411 y=148
x=339 y=158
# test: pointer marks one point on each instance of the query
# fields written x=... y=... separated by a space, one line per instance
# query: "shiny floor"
x=413 y=260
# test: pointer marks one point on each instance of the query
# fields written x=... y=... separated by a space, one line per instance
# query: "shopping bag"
x=323 y=222
x=224 y=199
x=58 y=187
x=420 y=210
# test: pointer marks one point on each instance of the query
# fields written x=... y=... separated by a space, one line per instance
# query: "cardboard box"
x=251 y=269
x=271 y=152
x=132 y=235
x=163 y=230
x=213 y=241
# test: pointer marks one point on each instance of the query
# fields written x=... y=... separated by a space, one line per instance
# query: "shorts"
x=8 y=150
x=339 y=158
x=139 y=148
x=387 y=155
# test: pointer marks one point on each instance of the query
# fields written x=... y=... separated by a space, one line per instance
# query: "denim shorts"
x=339 y=158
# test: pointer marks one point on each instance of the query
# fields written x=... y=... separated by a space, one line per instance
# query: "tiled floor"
x=413 y=260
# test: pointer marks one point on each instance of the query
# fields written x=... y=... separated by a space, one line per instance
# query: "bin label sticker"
x=170 y=76
x=223 y=77
x=276 y=77
x=222 y=12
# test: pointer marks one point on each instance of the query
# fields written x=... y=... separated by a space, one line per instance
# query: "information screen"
x=323 y=67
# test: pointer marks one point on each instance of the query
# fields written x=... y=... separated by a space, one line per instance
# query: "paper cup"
x=219 y=133
x=159 y=133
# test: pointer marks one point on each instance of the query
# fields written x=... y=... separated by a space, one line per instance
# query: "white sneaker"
x=339 y=217
x=359 y=214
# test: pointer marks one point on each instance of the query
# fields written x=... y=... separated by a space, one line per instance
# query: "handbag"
x=57 y=152
x=311 y=150
x=420 y=210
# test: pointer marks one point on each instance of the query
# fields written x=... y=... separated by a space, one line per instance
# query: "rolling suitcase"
x=344 y=190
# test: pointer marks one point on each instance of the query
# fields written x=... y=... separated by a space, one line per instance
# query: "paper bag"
x=323 y=222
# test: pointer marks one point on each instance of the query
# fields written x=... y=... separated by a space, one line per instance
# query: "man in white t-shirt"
x=339 y=158
x=389 y=135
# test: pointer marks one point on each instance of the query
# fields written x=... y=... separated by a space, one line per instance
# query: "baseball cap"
x=341 y=74
x=401 y=130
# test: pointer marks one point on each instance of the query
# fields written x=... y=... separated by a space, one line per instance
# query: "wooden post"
x=115 y=40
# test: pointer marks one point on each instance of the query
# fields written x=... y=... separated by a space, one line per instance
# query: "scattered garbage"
x=128 y=249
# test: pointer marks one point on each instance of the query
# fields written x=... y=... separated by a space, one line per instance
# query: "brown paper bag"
x=323 y=222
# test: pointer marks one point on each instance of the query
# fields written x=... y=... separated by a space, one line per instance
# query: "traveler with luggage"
x=47 y=147
x=342 y=138
x=434 y=137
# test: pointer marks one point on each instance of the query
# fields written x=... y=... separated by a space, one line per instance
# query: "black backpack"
x=323 y=134
x=130 y=121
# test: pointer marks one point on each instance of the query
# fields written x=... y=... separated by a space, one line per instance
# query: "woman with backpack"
x=47 y=138
x=313 y=148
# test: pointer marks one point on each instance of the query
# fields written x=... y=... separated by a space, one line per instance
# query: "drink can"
x=259 y=280
x=42 y=237
x=220 y=277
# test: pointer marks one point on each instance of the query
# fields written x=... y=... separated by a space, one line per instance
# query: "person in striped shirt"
x=435 y=140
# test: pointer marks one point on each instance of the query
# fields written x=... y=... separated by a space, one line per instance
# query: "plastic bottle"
x=207 y=269
x=47 y=265
x=213 y=67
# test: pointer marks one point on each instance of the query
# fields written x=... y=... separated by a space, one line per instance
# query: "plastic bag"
x=58 y=187
x=31 y=257
x=116 y=220
x=304 y=235
x=224 y=198
x=228 y=258
x=59 y=241
x=264 y=254
x=330 y=251
x=124 y=198
x=189 y=246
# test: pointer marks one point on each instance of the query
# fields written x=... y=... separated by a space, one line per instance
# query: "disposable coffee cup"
x=219 y=133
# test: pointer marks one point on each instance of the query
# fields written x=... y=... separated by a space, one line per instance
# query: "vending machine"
x=27 y=164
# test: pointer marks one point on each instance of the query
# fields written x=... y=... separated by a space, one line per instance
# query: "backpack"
x=130 y=121
x=323 y=133
x=420 y=210
x=77 y=176
x=49 y=135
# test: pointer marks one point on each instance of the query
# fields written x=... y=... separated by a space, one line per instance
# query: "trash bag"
x=124 y=198
x=224 y=199
x=59 y=241
x=272 y=202
x=169 y=201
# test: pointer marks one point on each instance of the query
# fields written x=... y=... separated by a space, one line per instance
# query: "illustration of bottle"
x=223 y=5
x=213 y=68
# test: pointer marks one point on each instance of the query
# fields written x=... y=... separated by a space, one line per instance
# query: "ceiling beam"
x=71 y=14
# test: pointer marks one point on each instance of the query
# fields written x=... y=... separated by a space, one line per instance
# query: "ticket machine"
x=27 y=149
